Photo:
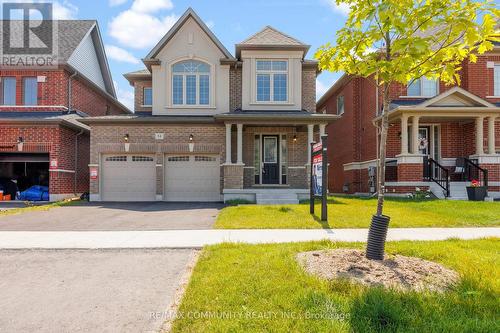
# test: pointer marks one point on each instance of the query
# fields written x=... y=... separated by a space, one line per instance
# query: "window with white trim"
x=272 y=81
x=147 y=96
x=423 y=87
x=340 y=105
x=191 y=83
x=496 y=80
x=30 y=91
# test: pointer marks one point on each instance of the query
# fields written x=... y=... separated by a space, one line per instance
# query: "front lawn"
x=350 y=212
x=261 y=288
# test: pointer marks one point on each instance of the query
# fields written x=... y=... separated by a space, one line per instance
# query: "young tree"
x=397 y=41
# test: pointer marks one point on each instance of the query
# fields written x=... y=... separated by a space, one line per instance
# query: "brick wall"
x=139 y=95
x=235 y=86
x=309 y=89
x=54 y=92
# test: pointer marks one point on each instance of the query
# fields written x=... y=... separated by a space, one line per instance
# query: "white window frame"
x=339 y=113
x=144 y=97
x=421 y=89
x=271 y=73
x=496 y=80
x=211 y=78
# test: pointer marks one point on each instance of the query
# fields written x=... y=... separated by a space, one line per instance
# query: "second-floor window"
x=340 y=105
x=272 y=80
x=8 y=91
x=30 y=91
x=191 y=83
x=423 y=87
x=496 y=80
x=148 y=97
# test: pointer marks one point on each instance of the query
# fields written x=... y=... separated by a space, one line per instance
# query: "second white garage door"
x=192 y=178
x=128 y=178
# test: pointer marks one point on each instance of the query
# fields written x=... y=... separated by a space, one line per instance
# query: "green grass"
x=350 y=212
x=39 y=208
x=265 y=281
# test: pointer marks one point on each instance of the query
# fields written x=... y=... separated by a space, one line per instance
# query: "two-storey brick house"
x=439 y=135
x=210 y=126
x=41 y=140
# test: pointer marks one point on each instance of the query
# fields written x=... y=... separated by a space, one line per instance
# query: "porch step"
x=277 y=198
x=458 y=191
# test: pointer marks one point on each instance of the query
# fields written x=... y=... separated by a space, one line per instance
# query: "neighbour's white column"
x=228 y=143
x=404 y=135
x=310 y=139
x=479 y=136
x=491 y=135
x=240 y=143
x=322 y=130
x=414 y=135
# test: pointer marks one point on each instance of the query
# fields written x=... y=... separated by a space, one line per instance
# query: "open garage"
x=20 y=171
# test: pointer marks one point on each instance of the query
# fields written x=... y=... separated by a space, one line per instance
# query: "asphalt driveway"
x=116 y=217
x=88 y=290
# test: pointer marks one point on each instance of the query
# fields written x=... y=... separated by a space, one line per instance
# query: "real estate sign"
x=319 y=176
x=317 y=170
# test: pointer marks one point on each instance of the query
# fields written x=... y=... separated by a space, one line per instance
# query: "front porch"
x=443 y=148
x=270 y=163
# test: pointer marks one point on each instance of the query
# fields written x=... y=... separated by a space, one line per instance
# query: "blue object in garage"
x=35 y=193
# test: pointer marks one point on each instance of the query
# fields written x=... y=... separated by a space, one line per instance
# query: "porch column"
x=404 y=135
x=491 y=135
x=240 y=143
x=310 y=139
x=322 y=130
x=414 y=135
x=479 y=136
x=228 y=143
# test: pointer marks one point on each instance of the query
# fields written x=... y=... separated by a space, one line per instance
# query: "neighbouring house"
x=440 y=137
x=210 y=126
x=41 y=140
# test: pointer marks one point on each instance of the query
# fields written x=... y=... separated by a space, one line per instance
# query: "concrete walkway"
x=199 y=238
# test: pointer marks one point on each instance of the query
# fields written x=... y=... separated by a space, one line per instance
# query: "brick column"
x=233 y=176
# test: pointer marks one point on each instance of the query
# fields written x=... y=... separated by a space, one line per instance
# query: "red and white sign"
x=53 y=164
x=93 y=173
x=317 y=147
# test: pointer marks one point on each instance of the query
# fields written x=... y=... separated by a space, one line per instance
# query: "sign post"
x=319 y=176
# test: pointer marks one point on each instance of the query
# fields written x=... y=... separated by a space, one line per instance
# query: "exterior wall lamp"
x=191 y=143
x=295 y=138
x=126 y=138
x=20 y=143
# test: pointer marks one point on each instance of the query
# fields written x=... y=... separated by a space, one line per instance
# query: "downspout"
x=76 y=160
x=70 y=92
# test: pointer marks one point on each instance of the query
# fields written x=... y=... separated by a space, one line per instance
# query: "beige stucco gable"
x=190 y=41
x=456 y=97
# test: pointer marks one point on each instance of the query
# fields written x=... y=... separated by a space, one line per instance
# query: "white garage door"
x=192 y=178
x=128 y=178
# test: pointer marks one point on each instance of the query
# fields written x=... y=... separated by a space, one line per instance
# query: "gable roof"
x=189 y=13
x=271 y=38
x=456 y=96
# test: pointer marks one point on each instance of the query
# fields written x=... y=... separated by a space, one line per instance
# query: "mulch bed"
x=399 y=272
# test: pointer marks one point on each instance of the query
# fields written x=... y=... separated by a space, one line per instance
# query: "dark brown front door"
x=270 y=159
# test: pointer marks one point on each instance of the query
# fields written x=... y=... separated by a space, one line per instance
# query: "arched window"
x=191 y=83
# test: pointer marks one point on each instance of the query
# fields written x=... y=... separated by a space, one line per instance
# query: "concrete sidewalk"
x=200 y=238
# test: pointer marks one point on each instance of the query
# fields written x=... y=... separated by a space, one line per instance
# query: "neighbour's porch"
x=267 y=154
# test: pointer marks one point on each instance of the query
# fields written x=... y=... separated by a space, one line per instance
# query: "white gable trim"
x=455 y=91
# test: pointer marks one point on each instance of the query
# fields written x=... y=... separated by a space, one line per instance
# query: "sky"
x=131 y=28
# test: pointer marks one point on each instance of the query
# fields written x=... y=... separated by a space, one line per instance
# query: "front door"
x=270 y=159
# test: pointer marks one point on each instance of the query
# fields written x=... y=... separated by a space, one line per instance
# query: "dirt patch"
x=400 y=272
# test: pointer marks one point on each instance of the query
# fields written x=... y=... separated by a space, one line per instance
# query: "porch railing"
x=474 y=172
x=435 y=172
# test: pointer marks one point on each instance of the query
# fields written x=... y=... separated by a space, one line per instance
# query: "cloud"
x=138 y=28
x=210 y=24
x=114 y=3
x=151 y=6
x=64 y=10
x=321 y=89
x=125 y=96
x=119 y=54
x=342 y=9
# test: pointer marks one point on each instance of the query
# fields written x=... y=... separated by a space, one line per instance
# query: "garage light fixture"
x=20 y=143
x=127 y=144
x=295 y=138
x=191 y=143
